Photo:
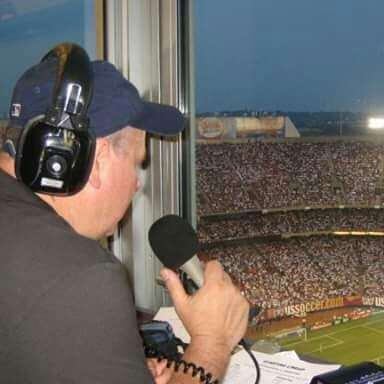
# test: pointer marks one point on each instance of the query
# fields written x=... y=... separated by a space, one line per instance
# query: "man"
x=66 y=311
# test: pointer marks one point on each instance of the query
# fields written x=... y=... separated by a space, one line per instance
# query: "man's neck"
x=7 y=164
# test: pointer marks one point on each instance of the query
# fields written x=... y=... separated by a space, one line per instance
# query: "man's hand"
x=216 y=315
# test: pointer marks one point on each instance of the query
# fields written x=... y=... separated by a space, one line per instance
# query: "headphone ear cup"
x=55 y=151
x=21 y=160
x=54 y=160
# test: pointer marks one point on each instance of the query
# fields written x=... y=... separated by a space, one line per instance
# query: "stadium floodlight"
x=376 y=123
x=357 y=233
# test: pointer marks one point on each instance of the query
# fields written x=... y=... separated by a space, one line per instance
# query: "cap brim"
x=160 y=119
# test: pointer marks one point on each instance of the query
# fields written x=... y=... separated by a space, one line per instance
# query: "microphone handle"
x=193 y=269
x=195 y=272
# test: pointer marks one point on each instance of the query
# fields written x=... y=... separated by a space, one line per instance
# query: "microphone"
x=175 y=243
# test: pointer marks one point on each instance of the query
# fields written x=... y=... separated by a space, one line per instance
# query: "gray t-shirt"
x=66 y=309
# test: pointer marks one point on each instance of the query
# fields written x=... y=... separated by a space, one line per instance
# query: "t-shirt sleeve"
x=84 y=331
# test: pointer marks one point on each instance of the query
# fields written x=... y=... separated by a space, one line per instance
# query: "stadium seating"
x=270 y=211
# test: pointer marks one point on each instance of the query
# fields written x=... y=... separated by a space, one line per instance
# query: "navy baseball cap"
x=115 y=103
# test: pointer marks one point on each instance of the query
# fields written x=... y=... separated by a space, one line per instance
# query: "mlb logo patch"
x=15 y=110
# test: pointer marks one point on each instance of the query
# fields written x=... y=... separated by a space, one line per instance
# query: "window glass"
x=290 y=168
x=28 y=29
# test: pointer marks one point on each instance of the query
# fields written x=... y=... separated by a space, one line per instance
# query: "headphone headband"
x=73 y=86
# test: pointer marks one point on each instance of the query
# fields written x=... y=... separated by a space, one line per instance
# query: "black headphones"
x=55 y=151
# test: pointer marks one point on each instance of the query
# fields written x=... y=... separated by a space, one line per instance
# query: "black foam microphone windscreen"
x=173 y=240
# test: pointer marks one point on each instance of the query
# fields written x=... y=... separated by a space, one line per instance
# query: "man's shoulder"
x=38 y=248
x=42 y=257
x=31 y=228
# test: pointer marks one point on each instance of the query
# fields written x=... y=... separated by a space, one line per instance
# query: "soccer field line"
x=378 y=359
x=334 y=338
x=329 y=346
x=373 y=329
x=333 y=333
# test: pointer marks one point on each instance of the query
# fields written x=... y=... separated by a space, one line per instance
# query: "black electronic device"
x=160 y=342
x=363 y=373
x=55 y=150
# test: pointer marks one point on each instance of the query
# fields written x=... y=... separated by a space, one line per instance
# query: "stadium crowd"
x=265 y=175
x=249 y=193
x=275 y=274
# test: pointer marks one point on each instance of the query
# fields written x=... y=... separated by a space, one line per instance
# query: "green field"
x=349 y=343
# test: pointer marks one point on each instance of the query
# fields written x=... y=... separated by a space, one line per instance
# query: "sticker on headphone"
x=16 y=110
x=45 y=182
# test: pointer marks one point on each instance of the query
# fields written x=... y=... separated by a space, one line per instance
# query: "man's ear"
x=100 y=161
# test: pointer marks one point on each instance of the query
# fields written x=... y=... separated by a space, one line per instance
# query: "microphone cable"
x=251 y=355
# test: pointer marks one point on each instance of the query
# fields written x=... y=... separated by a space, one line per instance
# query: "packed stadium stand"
x=288 y=174
x=279 y=273
x=273 y=212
